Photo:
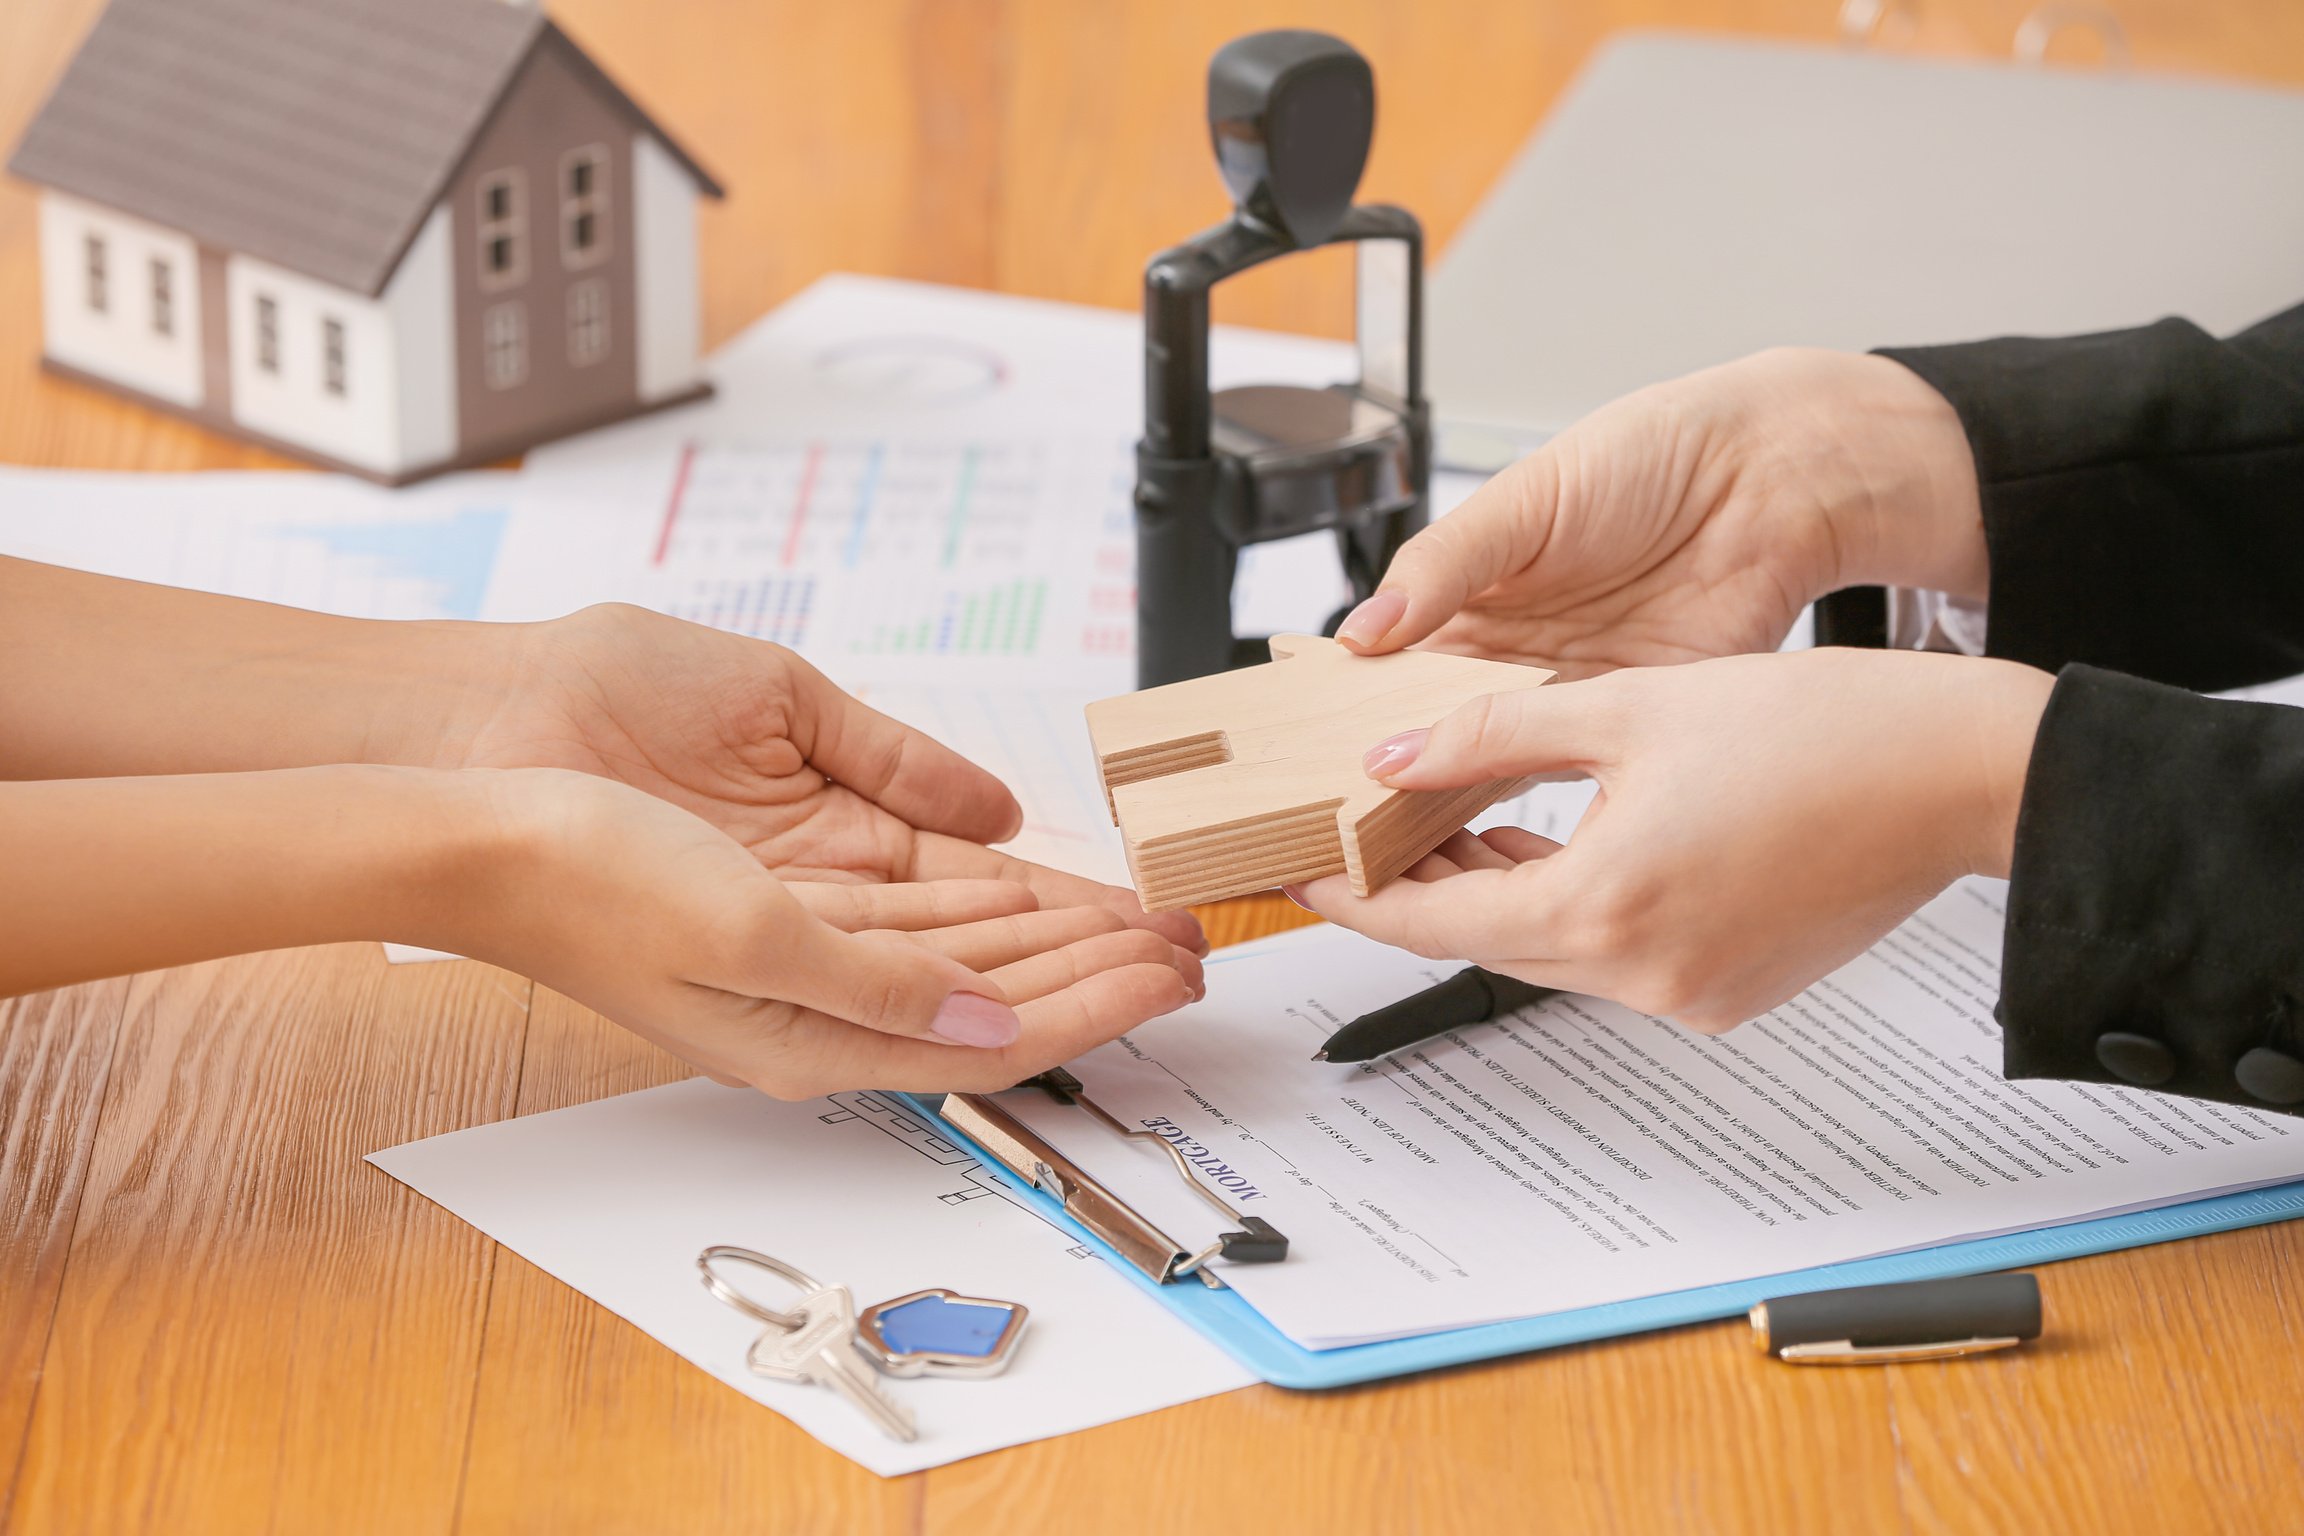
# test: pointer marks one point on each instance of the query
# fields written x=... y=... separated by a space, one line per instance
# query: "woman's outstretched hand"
x=648 y=914
x=760 y=744
x=1761 y=821
x=1694 y=519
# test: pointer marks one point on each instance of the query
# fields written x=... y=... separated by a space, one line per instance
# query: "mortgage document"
x=1577 y=1152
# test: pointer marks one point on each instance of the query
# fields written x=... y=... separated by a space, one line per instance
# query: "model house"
x=389 y=236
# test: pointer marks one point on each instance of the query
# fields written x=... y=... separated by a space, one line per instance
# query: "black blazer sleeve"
x=2143 y=498
x=2156 y=911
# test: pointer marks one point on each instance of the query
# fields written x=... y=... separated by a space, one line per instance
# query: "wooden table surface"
x=215 y=1317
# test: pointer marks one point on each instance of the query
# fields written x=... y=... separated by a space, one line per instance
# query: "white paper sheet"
x=618 y=1197
x=877 y=357
x=1580 y=1153
x=326 y=542
x=858 y=363
x=1036 y=742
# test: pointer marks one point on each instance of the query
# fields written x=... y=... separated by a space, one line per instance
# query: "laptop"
x=1694 y=198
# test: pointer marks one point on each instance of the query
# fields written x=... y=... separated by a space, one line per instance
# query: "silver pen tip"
x=1320 y=1055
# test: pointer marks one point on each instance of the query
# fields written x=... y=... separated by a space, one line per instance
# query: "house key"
x=823 y=1349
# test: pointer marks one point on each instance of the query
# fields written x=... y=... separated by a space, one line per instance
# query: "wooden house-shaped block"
x=387 y=236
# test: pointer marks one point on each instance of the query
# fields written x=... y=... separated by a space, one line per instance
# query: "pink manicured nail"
x=1394 y=753
x=966 y=1019
x=1373 y=619
x=1295 y=893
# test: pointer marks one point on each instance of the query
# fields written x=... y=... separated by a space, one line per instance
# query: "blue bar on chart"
x=766 y=607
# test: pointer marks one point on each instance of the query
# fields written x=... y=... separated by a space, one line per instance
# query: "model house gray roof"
x=314 y=134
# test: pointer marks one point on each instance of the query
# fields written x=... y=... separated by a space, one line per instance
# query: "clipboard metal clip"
x=1140 y=1242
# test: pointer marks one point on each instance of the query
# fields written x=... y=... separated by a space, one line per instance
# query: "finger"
x=1039 y=975
x=941 y=858
x=984 y=947
x=882 y=981
x=912 y=905
x=797 y=1054
x=1466 y=850
x=1518 y=845
x=1564 y=729
x=1094 y=1009
x=1433 y=866
x=905 y=772
x=1500 y=528
x=1482 y=912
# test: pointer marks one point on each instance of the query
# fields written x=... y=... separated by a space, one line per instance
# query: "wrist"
x=1891 y=469
x=502 y=869
x=461 y=864
x=2001 y=718
x=426 y=689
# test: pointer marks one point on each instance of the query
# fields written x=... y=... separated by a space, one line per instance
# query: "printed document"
x=618 y=1197
x=1577 y=1152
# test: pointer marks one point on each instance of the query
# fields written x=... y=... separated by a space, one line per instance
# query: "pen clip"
x=1842 y=1352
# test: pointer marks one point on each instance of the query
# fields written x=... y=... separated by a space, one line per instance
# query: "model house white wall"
x=664 y=270
x=277 y=323
x=421 y=299
x=388 y=402
x=126 y=322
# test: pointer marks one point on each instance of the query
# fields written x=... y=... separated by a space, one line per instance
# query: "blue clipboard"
x=1242 y=1332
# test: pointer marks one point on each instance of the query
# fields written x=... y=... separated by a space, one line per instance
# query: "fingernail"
x=967 y=1019
x=1296 y=895
x=1195 y=979
x=1373 y=619
x=1394 y=753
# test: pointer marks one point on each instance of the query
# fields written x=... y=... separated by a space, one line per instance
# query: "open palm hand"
x=760 y=744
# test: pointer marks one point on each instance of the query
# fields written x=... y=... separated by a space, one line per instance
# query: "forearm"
x=1884 y=455
x=100 y=676
x=107 y=876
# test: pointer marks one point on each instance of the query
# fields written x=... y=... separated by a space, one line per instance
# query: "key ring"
x=723 y=1291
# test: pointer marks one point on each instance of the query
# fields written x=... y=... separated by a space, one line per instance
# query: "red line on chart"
x=800 y=504
x=672 y=505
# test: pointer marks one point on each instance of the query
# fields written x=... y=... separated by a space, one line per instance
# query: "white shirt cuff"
x=1920 y=620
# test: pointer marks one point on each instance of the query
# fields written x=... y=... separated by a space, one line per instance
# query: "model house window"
x=267 y=333
x=584 y=205
x=504 y=345
x=332 y=355
x=163 y=297
x=587 y=322
x=503 y=230
x=93 y=267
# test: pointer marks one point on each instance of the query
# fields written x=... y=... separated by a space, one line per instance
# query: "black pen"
x=1471 y=996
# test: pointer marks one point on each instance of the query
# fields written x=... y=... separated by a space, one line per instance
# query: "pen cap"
x=1913 y=1312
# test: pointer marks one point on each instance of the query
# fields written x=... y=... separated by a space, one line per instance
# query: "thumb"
x=892 y=986
x=1563 y=730
x=1500 y=528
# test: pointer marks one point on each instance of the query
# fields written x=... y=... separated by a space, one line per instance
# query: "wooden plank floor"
x=215 y=1317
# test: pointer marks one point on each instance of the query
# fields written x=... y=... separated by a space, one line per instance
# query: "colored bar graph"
x=1001 y=620
x=768 y=608
x=958 y=523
